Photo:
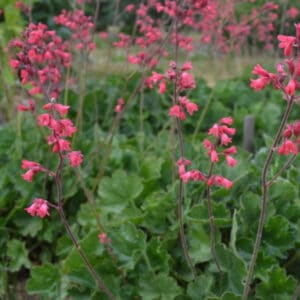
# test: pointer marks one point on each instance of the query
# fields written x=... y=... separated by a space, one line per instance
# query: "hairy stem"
x=181 y=150
x=58 y=181
x=265 y=187
x=212 y=226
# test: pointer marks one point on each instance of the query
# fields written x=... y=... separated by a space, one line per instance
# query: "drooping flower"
x=39 y=208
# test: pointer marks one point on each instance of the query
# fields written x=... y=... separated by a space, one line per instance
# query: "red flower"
x=287 y=43
x=39 y=208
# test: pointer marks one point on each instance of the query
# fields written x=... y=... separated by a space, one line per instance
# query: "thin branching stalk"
x=212 y=226
x=265 y=187
x=181 y=150
x=58 y=181
x=296 y=293
x=284 y=168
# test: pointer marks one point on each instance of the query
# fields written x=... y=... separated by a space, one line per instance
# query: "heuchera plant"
x=42 y=57
x=287 y=80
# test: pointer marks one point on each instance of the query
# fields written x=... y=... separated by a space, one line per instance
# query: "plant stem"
x=296 y=293
x=67 y=226
x=212 y=226
x=181 y=150
x=265 y=186
x=284 y=167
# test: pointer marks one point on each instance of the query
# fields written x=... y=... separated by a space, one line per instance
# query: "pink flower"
x=186 y=81
x=30 y=106
x=28 y=176
x=162 y=87
x=227 y=121
x=104 y=240
x=75 y=158
x=45 y=120
x=176 y=111
x=231 y=162
x=287 y=147
x=120 y=104
x=39 y=208
x=130 y=7
x=60 y=108
x=291 y=87
x=219 y=180
x=260 y=83
x=27 y=164
x=287 y=43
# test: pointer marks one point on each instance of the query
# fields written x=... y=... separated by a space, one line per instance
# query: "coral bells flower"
x=39 y=208
x=221 y=181
x=75 y=158
x=287 y=147
x=104 y=240
x=29 y=107
x=176 y=111
x=32 y=167
x=120 y=105
x=187 y=81
x=59 y=108
x=286 y=42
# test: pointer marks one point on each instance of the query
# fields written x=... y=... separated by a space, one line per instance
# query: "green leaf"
x=201 y=287
x=233 y=233
x=151 y=168
x=28 y=226
x=158 y=287
x=129 y=244
x=234 y=268
x=45 y=281
x=199 y=244
x=158 y=208
x=278 y=286
x=18 y=255
x=278 y=236
x=119 y=191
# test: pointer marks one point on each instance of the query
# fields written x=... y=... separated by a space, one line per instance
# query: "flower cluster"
x=120 y=105
x=221 y=133
x=291 y=141
x=287 y=77
x=183 y=80
x=39 y=208
x=40 y=60
x=81 y=27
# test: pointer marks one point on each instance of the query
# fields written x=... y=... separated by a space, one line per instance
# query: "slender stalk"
x=265 y=187
x=88 y=265
x=58 y=181
x=212 y=226
x=297 y=292
x=284 y=167
x=181 y=150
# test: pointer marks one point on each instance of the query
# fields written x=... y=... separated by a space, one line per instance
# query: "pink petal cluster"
x=104 y=240
x=81 y=27
x=291 y=140
x=32 y=169
x=120 y=105
x=40 y=66
x=288 y=81
x=39 y=208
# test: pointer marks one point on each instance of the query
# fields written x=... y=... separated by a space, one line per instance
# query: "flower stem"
x=67 y=226
x=265 y=187
x=212 y=222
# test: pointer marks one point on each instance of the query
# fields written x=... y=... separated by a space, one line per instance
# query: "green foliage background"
x=137 y=198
